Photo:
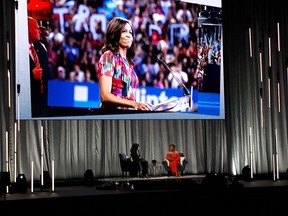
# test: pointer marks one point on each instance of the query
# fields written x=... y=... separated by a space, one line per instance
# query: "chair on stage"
x=181 y=167
x=128 y=166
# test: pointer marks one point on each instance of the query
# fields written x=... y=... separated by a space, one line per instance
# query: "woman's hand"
x=105 y=83
x=142 y=106
x=169 y=159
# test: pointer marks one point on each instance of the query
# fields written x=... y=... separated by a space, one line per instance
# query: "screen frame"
x=23 y=104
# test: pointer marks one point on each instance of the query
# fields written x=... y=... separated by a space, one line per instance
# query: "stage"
x=152 y=182
x=159 y=195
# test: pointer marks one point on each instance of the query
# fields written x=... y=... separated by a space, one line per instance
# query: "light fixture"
x=89 y=177
x=246 y=171
x=46 y=179
x=21 y=183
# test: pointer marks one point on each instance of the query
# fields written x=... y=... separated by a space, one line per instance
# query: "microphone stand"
x=172 y=103
x=184 y=88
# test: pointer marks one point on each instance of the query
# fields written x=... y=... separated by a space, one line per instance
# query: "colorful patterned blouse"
x=124 y=79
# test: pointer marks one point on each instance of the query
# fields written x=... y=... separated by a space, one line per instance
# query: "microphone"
x=183 y=87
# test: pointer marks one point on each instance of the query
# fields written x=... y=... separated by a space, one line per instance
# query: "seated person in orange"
x=173 y=157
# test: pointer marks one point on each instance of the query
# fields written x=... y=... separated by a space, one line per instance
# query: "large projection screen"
x=178 y=61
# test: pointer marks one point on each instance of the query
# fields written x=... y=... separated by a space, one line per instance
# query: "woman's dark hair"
x=172 y=145
x=112 y=37
x=135 y=146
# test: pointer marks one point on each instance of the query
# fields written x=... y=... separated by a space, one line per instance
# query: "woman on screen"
x=118 y=81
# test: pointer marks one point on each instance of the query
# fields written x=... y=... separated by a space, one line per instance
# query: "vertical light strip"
x=278 y=36
x=7 y=158
x=251 y=153
x=279 y=102
x=53 y=185
x=269 y=48
x=15 y=151
x=9 y=88
x=277 y=166
x=262 y=114
x=279 y=98
x=8 y=51
x=269 y=92
x=18 y=111
x=261 y=67
x=8 y=74
x=276 y=153
x=42 y=146
x=250 y=42
x=32 y=176
x=273 y=157
x=6 y=151
x=261 y=90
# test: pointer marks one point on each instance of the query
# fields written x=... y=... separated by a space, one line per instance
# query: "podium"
x=175 y=105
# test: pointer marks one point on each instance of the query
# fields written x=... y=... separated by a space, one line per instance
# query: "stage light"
x=89 y=177
x=21 y=183
x=246 y=171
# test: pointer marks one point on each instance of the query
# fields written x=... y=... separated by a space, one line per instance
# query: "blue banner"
x=86 y=95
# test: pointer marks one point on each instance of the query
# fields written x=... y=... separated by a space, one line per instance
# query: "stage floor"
x=153 y=178
x=153 y=194
x=119 y=185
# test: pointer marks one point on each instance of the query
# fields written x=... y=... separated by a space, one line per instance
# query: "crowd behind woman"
x=73 y=55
